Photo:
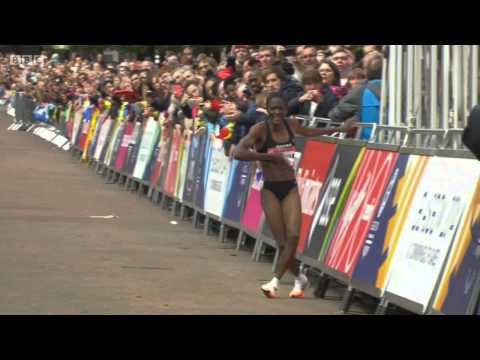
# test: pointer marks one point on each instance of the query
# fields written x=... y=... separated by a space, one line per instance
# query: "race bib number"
x=287 y=152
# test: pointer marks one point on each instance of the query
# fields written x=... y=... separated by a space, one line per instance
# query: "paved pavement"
x=54 y=259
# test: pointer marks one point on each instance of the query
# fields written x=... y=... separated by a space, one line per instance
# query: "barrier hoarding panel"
x=253 y=214
x=384 y=233
x=146 y=148
x=342 y=165
x=218 y=170
x=161 y=162
x=192 y=168
x=153 y=158
x=69 y=123
x=85 y=126
x=91 y=131
x=98 y=128
x=123 y=150
x=439 y=202
x=102 y=139
x=311 y=175
x=201 y=163
x=117 y=143
x=172 y=165
x=77 y=123
x=132 y=148
x=111 y=142
x=182 y=168
x=360 y=210
x=457 y=293
x=237 y=190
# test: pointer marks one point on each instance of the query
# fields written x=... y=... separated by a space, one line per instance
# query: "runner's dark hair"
x=276 y=95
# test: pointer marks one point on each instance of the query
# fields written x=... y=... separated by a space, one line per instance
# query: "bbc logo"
x=26 y=60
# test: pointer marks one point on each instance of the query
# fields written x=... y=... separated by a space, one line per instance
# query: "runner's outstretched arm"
x=308 y=132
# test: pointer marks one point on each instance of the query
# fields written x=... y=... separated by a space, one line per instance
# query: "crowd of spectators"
x=227 y=93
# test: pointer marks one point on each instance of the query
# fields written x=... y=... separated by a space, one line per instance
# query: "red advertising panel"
x=311 y=175
x=171 y=176
x=360 y=210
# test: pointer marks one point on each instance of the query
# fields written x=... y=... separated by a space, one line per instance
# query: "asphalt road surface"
x=54 y=259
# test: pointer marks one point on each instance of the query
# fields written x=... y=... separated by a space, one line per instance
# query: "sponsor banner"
x=69 y=123
x=253 y=214
x=85 y=126
x=153 y=161
x=311 y=175
x=218 y=171
x=77 y=123
x=193 y=155
x=237 y=190
x=340 y=206
x=153 y=157
x=173 y=160
x=132 y=148
x=341 y=166
x=146 y=148
x=117 y=143
x=103 y=139
x=456 y=292
x=91 y=131
x=360 y=210
x=111 y=142
x=161 y=162
x=385 y=231
x=123 y=150
x=199 y=186
x=98 y=128
x=148 y=171
x=135 y=148
x=441 y=198
x=182 y=168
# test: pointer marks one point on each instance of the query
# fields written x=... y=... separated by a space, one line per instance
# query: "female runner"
x=274 y=142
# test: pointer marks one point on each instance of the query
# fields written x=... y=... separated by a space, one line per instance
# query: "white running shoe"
x=270 y=290
x=301 y=284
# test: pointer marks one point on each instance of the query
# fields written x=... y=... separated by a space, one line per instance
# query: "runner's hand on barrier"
x=348 y=126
